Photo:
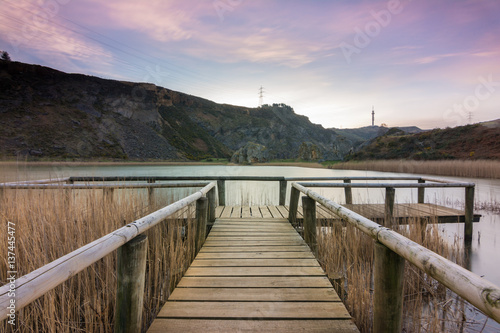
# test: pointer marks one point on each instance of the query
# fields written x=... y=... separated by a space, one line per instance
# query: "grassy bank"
x=453 y=168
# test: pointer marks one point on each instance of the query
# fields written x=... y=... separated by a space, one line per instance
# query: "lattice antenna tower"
x=470 y=116
x=261 y=96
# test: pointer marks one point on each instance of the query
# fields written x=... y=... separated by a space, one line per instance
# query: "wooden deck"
x=254 y=274
x=402 y=212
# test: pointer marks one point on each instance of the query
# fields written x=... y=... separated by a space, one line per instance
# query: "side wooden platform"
x=402 y=212
x=254 y=275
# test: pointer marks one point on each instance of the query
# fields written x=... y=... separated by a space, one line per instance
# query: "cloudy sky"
x=429 y=63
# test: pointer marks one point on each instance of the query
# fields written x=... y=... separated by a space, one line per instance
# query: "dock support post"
x=421 y=192
x=348 y=192
x=108 y=195
x=388 y=293
x=390 y=193
x=211 y=205
x=294 y=204
x=131 y=274
x=283 y=184
x=151 y=193
x=309 y=208
x=201 y=223
x=469 y=214
x=221 y=188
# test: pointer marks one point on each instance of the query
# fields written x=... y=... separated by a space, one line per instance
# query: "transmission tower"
x=261 y=96
x=373 y=116
x=470 y=116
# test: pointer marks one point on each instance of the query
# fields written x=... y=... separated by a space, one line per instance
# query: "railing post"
x=221 y=187
x=309 y=208
x=294 y=205
x=348 y=192
x=201 y=222
x=283 y=184
x=131 y=274
x=469 y=213
x=151 y=193
x=390 y=193
x=211 y=205
x=388 y=294
x=421 y=192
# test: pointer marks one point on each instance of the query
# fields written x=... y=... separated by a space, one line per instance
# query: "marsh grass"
x=452 y=168
x=52 y=223
x=347 y=255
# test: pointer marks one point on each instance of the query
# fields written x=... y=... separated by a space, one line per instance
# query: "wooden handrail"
x=481 y=293
x=35 y=284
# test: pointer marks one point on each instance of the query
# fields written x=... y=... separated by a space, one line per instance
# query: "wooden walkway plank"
x=255 y=294
x=254 y=310
x=265 y=212
x=266 y=262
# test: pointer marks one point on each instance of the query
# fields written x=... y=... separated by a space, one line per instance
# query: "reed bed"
x=52 y=223
x=347 y=255
x=453 y=168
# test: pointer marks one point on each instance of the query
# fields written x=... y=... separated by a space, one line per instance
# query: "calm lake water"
x=484 y=260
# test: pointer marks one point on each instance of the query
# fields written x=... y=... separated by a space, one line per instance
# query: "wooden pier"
x=401 y=213
x=254 y=274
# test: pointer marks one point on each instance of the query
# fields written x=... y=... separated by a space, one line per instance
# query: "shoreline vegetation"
x=452 y=168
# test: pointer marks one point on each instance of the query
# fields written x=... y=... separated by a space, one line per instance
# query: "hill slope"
x=45 y=113
x=478 y=141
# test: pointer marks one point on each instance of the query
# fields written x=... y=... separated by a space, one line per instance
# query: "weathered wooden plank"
x=271 y=310
x=245 y=212
x=236 y=212
x=283 y=211
x=253 y=243
x=255 y=282
x=255 y=294
x=253 y=271
x=255 y=262
x=276 y=326
x=255 y=254
x=265 y=212
x=226 y=212
x=253 y=248
x=279 y=238
x=218 y=232
x=255 y=212
x=218 y=211
x=274 y=212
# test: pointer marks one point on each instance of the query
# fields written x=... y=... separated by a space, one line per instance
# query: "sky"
x=425 y=63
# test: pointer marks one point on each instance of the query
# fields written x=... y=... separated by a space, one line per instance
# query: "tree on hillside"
x=5 y=56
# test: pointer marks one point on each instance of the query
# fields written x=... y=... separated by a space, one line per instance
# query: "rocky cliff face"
x=45 y=113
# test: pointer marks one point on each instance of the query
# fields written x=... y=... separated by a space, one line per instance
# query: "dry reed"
x=347 y=256
x=452 y=168
x=52 y=223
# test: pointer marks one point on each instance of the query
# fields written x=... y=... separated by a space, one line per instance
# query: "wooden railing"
x=391 y=251
x=128 y=240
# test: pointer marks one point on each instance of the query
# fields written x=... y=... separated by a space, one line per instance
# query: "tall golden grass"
x=452 y=168
x=347 y=255
x=52 y=223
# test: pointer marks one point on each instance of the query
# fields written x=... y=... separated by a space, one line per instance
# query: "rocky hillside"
x=48 y=114
x=478 y=141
